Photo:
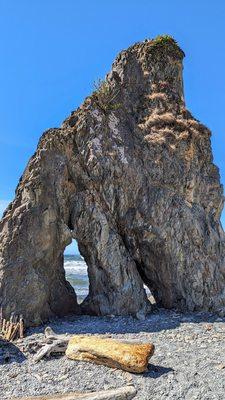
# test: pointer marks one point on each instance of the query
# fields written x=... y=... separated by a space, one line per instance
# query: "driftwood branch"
x=58 y=346
x=52 y=343
x=123 y=393
x=50 y=334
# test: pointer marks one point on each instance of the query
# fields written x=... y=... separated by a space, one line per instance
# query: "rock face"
x=130 y=176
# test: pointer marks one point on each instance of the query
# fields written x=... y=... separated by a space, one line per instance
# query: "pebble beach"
x=189 y=359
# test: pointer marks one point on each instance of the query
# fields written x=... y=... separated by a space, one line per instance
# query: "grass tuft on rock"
x=164 y=42
x=105 y=96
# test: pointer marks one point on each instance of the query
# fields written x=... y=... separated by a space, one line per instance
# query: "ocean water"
x=76 y=274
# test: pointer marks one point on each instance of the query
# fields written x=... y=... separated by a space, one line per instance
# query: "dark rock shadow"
x=10 y=353
x=155 y=371
x=160 y=319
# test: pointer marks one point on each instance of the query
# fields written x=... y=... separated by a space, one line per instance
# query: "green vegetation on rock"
x=163 y=42
x=104 y=96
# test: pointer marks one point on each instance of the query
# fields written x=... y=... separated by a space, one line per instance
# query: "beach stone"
x=130 y=176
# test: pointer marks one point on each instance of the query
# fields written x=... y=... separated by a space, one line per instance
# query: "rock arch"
x=130 y=176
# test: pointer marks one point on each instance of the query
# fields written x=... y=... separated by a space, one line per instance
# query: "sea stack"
x=130 y=176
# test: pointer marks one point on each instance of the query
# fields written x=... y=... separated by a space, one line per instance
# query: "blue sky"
x=53 y=50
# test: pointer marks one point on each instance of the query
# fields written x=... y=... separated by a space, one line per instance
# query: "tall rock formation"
x=130 y=176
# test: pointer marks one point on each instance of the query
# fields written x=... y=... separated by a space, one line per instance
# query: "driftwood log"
x=123 y=393
x=132 y=357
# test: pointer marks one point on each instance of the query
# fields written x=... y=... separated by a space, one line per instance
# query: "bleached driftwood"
x=50 y=334
x=58 y=346
x=129 y=356
x=123 y=393
x=52 y=343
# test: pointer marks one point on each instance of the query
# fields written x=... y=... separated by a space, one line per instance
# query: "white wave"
x=81 y=292
x=75 y=267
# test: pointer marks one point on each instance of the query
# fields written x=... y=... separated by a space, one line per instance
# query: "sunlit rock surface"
x=130 y=176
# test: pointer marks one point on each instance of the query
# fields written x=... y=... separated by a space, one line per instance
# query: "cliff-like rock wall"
x=130 y=176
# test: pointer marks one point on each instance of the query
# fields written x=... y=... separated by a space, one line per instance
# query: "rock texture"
x=130 y=176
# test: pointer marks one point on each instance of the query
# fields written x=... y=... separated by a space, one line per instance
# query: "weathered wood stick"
x=1 y=318
x=6 y=328
x=9 y=331
x=132 y=357
x=14 y=331
x=123 y=393
x=21 y=329
x=15 y=319
x=10 y=328
x=3 y=325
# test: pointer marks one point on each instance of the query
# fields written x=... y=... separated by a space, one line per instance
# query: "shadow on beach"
x=157 y=321
x=155 y=371
x=10 y=353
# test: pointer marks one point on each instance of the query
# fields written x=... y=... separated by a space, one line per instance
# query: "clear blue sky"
x=53 y=50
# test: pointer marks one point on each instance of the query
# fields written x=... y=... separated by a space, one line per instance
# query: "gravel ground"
x=189 y=359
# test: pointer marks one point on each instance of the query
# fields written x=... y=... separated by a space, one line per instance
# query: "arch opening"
x=76 y=271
